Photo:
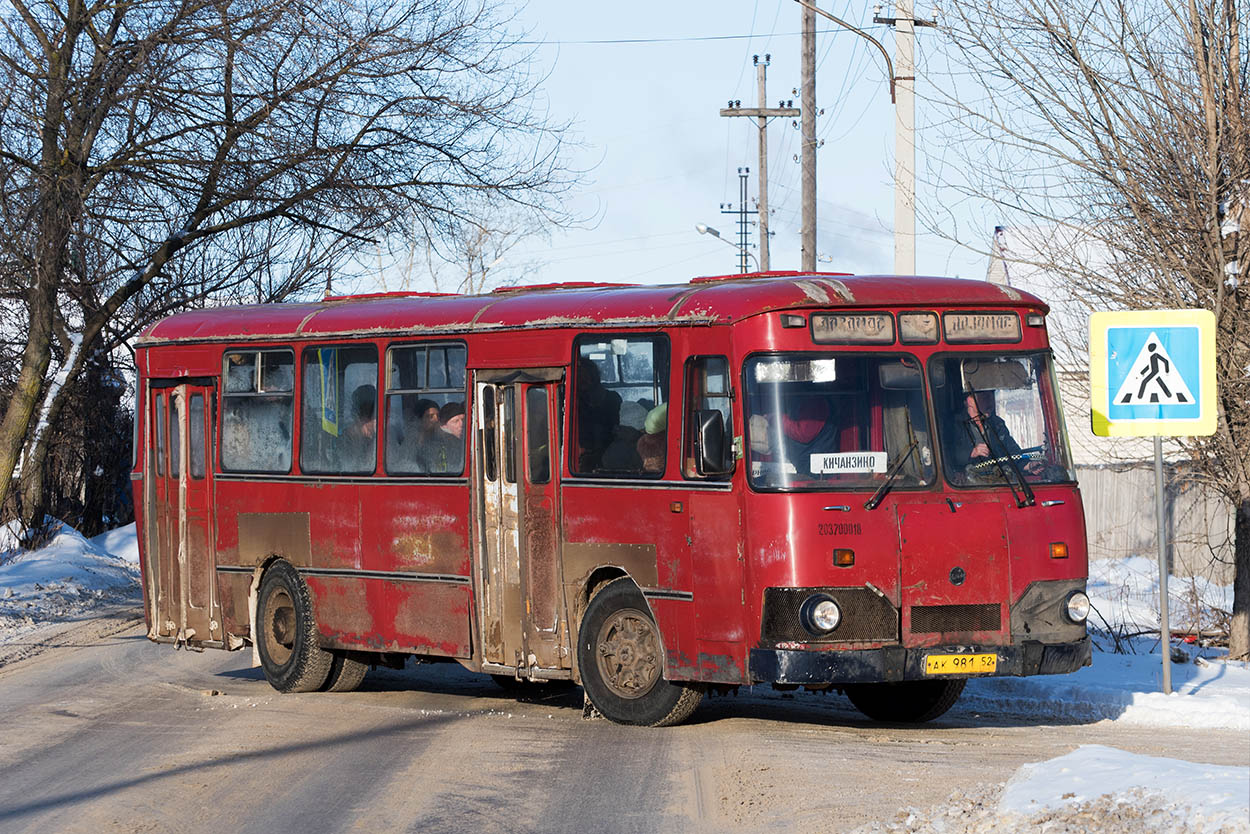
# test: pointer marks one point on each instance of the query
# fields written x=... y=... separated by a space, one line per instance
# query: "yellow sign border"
x=1099 y=387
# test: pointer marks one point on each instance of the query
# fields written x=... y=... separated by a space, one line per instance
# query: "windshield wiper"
x=1023 y=488
x=875 y=500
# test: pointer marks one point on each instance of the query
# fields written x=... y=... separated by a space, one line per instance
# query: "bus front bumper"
x=898 y=663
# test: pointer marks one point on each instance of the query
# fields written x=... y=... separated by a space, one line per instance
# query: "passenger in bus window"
x=360 y=436
x=985 y=437
x=451 y=422
x=621 y=455
x=654 y=439
x=598 y=414
x=807 y=428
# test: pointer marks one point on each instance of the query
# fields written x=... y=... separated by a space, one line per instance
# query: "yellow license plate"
x=960 y=664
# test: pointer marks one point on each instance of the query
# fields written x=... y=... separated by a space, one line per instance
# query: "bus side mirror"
x=710 y=456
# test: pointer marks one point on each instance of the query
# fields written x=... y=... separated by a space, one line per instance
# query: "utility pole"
x=762 y=115
x=904 y=23
x=807 y=103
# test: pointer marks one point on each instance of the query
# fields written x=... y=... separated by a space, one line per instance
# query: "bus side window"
x=257 y=406
x=339 y=410
x=707 y=389
x=425 y=404
x=620 y=406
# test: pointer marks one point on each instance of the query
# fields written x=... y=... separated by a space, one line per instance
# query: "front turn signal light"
x=1058 y=550
x=843 y=558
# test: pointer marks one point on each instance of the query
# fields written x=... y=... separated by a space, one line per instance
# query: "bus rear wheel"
x=346 y=674
x=620 y=656
x=907 y=702
x=288 y=643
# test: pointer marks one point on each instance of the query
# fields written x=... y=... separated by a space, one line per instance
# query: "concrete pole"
x=904 y=139
x=807 y=126
x=761 y=73
x=1165 y=628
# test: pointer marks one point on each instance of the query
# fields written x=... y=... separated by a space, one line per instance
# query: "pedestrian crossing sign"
x=1152 y=372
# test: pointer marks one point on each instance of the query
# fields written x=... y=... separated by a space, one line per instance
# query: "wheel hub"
x=628 y=653
x=280 y=632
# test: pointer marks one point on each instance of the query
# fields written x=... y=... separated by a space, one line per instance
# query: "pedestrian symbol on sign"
x=1154 y=379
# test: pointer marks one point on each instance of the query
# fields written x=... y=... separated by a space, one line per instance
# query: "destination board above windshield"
x=981 y=326
x=853 y=328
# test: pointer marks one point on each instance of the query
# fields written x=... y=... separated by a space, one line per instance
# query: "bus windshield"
x=837 y=421
x=999 y=419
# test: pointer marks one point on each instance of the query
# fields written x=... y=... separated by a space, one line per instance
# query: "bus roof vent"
x=371 y=295
x=567 y=285
x=777 y=273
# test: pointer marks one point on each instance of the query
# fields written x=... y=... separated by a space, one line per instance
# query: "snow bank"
x=1199 y=797
x=1093 y=788
x=66 y=579
x=1125 y=688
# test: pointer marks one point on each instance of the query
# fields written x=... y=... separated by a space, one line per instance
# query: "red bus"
x=810 y=480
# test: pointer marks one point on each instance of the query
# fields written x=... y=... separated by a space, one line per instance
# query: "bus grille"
x=931 y=619
x=866 y=617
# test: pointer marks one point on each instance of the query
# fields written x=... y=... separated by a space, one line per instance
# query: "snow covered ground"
x=1092 y=788
x=68 y=579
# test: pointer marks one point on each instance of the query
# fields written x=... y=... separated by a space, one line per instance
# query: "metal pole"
x=904 y=140
x=761 y=71
x=807 y=128
x=1165 y=631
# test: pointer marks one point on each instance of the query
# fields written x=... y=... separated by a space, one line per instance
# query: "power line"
x=689 y=39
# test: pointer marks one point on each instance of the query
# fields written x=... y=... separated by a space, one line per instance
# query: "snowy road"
x=110 y=733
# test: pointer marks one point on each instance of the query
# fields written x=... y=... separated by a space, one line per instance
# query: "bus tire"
x=289 y=645
x=907 y=702
x=345 y=675
x=620 y=656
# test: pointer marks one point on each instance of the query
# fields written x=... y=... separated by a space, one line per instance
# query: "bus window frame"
x=954 y=351
x=385 y=393
x=218 y=465
x=936 y=483
x=687 y=440
x=297 y=437
x=573 y=415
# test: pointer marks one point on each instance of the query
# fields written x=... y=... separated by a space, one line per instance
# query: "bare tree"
x=155 y=153
x=1120 y=129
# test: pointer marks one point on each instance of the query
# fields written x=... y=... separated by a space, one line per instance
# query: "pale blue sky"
x=659 y=158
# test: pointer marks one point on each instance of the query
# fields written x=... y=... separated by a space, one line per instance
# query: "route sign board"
x=1152 y=372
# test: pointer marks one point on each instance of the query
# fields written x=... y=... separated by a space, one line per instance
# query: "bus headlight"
x=820 y=614
x=1076 y=607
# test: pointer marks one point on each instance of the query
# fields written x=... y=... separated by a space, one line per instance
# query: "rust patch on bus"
x=440 y=551
x=638 y=560
x=720 y=668
x=262 y=535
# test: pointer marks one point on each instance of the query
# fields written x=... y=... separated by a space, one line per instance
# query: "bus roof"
x=709 y=300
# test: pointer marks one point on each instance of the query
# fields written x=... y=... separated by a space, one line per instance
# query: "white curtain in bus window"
x=257 y=411
x=425 y=410
x=339 y=410
x=621 y=406
x=841 y=421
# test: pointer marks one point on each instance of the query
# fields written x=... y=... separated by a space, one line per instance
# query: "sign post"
x=1153 y=373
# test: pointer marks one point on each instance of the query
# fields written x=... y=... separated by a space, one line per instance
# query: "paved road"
x=110 y=733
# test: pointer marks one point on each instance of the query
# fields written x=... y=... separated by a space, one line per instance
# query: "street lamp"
x=705 y=229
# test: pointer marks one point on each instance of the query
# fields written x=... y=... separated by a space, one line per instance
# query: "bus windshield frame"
x=836 y=421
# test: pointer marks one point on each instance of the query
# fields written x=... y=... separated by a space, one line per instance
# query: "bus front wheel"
x=906 y=702
x=290 y=652
x=620 y=656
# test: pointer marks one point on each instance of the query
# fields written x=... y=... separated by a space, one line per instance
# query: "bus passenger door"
x=185 y=606
x=515 y=475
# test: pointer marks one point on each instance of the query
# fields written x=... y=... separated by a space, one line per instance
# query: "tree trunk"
x=22 y=406
x=1239 y=628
